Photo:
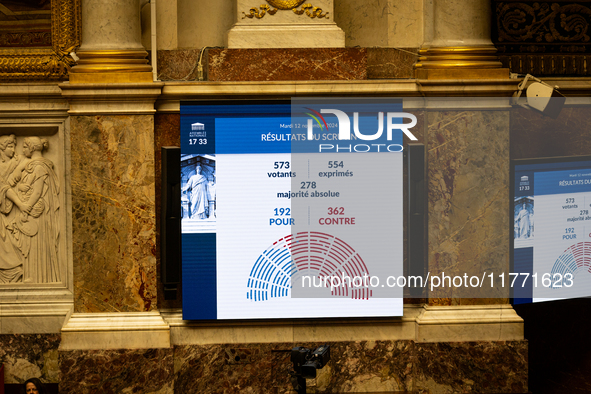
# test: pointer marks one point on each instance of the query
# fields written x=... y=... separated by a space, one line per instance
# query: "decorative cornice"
x=31 y=100
x=123 y=98
x=121 y=330
x=174 y=92
x=469 y=323
x=115 y=321
x=34 y=318
x=421 y=323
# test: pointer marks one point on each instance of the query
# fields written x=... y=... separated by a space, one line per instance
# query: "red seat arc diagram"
x=306 y=253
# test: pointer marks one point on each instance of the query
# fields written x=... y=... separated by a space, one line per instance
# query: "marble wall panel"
x=465 y=367
x=468 y=183
x=535 y=135
x=287 y=64
x=167 y=128
x=232 y=368
x=28 y=356
x=243 y=65
x=264 y=368
x=365 y=366
x=180 y=64
x=372 y=366
x=146 y=371
x=113 y=221
x=391 y=62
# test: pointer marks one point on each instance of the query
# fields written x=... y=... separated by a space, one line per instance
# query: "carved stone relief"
x=29 y=212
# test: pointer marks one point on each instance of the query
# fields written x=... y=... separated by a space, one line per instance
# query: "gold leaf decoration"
x=311 y=11
x=543 y=37
x=18 y=64
x=285 y=4
x=254 y=13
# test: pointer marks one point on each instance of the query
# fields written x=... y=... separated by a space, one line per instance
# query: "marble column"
x=111 y=99
x=457 y=42
x=111 y=49
x=114 y=322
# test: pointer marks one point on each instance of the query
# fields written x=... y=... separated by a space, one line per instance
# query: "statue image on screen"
x=29 y=213
x=199 y=201
x=198 y=197
x=523 y=219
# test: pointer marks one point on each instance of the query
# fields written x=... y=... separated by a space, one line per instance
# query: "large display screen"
x=282 y=219
x=551 y=228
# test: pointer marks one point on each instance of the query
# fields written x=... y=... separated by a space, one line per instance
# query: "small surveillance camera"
x=540 y=97
x=545 y=98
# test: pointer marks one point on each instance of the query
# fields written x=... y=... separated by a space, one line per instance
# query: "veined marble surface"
x=287 y=64
x=270 y=64
x=391 y=62
x=180 y=65
x=534 y=135
x=362 y=366
x=30 y=355
x=468 y=183
x=114 y=240
x=464 y=367
x=147 y=371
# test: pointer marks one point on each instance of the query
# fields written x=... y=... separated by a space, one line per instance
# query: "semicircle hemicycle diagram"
x=575 y=259
x=306 y=253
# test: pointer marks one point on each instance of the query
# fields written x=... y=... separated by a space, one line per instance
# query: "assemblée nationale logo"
x=197 y=130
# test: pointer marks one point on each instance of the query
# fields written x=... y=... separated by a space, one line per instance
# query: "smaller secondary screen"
x=282 y=219
x=551 y=229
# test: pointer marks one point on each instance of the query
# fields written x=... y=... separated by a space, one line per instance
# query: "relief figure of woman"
x=11 y=260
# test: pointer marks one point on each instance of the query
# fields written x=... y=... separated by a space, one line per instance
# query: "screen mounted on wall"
x=551 y=228
x=283 y=218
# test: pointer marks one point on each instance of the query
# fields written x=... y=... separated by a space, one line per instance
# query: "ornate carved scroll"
x=543 y=38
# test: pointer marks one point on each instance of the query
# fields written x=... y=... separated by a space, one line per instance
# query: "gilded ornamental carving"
x=308 y=9
x=29 y=57
x=543 y=22
x=543 y=38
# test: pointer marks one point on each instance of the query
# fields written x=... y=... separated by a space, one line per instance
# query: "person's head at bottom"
x=34 y=386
